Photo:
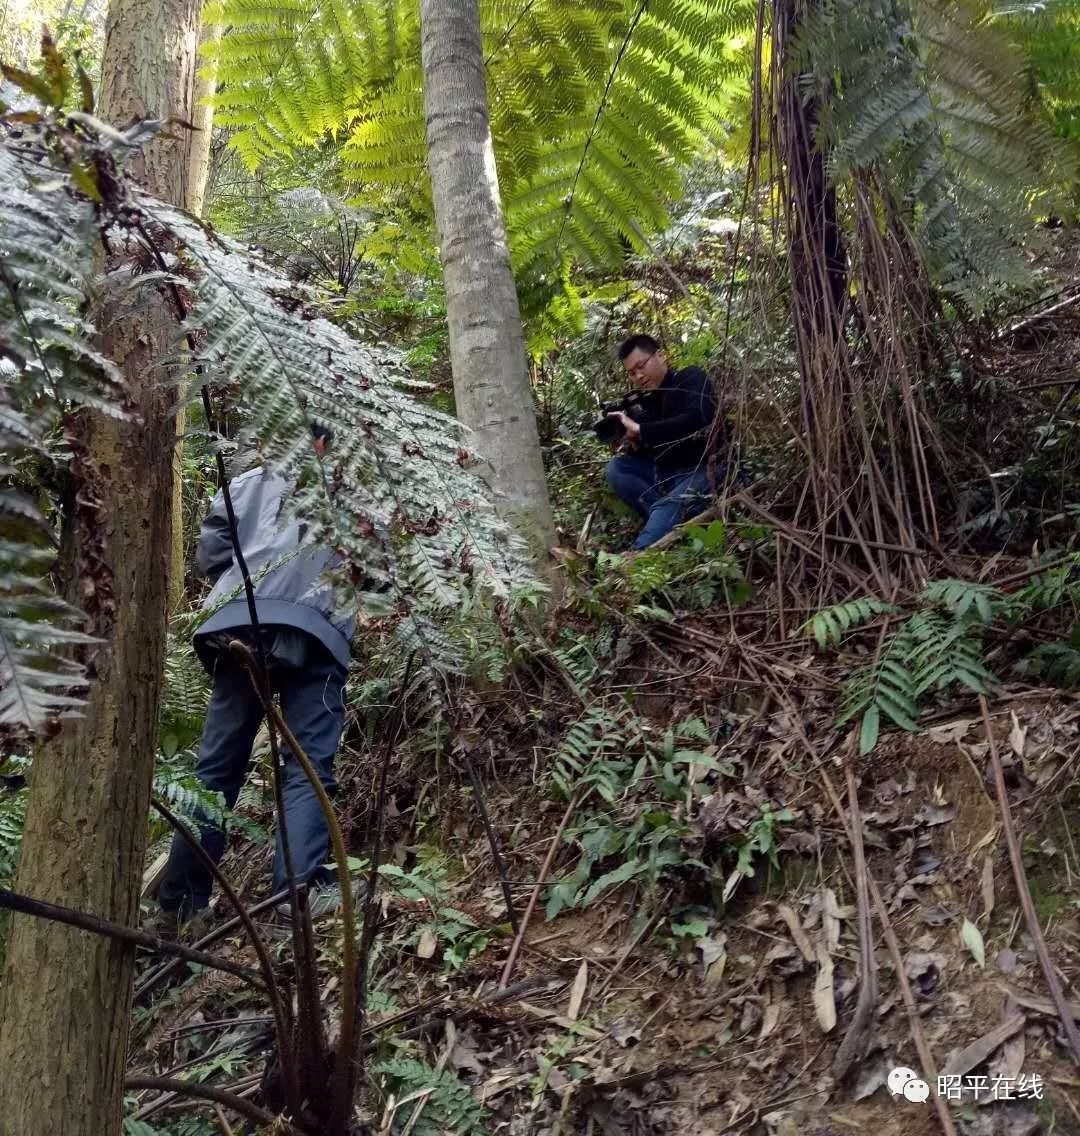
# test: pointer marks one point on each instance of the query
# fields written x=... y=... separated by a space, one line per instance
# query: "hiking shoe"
x=174 y=926
x=327 y=900
x=323 y=901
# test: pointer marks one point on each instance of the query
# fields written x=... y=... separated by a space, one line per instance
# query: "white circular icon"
x=900 y=1077
x=917 y=1091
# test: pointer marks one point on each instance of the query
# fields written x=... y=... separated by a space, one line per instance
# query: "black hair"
x=318 y=430
x=637 y=343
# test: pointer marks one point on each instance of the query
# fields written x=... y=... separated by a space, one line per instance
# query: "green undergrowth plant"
x=939 y=642
x=13 y=798
x=701 y=570
x=449 y=1103
x=181 y=1126
x=442 y=928
x=638 y=788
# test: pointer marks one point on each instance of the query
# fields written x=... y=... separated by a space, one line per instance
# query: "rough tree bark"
x=487 y=344
x=66 y=996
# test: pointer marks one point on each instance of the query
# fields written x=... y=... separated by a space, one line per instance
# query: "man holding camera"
x=662 y=431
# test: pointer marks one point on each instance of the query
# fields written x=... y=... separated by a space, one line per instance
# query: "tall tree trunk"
x=65 y=1002
x=487 y=345
x=198 y=167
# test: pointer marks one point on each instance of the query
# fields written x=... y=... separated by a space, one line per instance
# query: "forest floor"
x=657 y=1007
x=617 y=1025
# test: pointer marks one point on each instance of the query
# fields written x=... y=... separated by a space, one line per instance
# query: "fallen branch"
x=515 y=947
x=84 y=922
x=856 y=1041
x=239 y=1105
x=1020 y=877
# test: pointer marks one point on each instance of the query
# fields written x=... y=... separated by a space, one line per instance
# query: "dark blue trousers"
x=313 y=705
x=662 y=498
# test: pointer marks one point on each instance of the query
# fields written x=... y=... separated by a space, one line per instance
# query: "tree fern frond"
x=828 y=626
x=48 y=361
x=624 y=86
x=933 y=95
x=397 y=497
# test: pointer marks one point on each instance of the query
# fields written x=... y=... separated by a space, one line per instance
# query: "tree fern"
x=963 y=599
x=1058 y=663
x=593 y=107
x=1048 y=32
x=450 y=1105
x=934 y=95
x=12 y=819
x=47 y=360
x=397 y=494
x=1048 y=589
x=596 y=753
x=930 y=652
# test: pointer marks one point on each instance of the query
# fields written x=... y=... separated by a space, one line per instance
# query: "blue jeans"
x=313 y=705
x=661 y=498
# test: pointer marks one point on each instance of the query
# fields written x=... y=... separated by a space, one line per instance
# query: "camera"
x=611 y=430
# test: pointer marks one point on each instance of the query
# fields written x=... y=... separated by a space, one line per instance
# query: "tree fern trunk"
x=487 y=346
x=65 y=1002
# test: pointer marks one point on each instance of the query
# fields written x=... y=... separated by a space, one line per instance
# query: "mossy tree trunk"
x=65 y=1002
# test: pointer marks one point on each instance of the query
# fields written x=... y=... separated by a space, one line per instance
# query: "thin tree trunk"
x=66 y=996
x=487 y=345
x=198 y=167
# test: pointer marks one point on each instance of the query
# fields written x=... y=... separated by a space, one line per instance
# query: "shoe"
x=324 y=901
x=172 y=926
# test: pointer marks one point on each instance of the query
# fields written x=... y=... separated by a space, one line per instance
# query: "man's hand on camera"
x=632 y=428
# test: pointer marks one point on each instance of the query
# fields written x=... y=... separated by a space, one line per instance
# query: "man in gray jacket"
x=307 y=644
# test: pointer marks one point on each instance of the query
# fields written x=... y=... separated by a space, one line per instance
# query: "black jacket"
x=676 y=418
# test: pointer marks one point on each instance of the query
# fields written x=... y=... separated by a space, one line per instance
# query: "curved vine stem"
x=281 y=1020
x=342 y=1099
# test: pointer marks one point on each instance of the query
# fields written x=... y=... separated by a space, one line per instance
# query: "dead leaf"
x=972 y=938
x=577 y=992
x=713 y=957
x=979 y=1050
x=988 y=886
x=770 y=1019
x=789 y=917
x=830 y=918
x=872 y=1076
x=428 y=944
x=824 y=996
x=1009 y=1063
x=463 y=1056
x=931 y=815
x=625 y=1033
x=950 y=731
x=1017 y=735
x=1006 y=960
x=924 y=971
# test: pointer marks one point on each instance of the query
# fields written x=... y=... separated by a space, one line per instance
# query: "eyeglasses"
x=639 y=367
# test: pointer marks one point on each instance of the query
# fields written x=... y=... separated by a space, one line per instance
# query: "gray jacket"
x=285 y=567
